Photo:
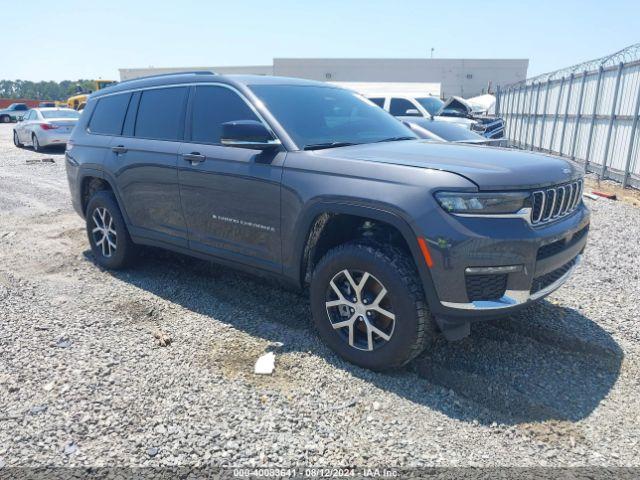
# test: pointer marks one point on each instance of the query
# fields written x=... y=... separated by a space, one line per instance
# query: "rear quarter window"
x=109 y=113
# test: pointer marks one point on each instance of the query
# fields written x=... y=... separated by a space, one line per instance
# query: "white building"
x=462 y=77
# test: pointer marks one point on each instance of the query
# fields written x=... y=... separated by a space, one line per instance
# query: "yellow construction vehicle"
x=79 y=100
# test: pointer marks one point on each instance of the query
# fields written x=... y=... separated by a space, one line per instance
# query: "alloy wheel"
x=360 y=309
x=104 y=233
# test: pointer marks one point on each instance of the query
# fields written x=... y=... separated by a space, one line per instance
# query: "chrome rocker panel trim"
x=512 y=298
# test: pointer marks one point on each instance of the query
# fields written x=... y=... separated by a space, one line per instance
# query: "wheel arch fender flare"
x=86 y=172
x=380 y=212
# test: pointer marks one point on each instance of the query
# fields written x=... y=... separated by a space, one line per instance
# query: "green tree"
x=45 y=90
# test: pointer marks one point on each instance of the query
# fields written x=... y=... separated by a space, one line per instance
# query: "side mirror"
x=249 y=134
x=413 y=112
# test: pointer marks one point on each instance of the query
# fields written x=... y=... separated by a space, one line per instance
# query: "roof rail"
x=193 y=72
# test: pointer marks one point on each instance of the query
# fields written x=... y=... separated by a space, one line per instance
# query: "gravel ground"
x=83 y=380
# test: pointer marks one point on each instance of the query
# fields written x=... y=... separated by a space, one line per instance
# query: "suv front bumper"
x=512 y=298
x=518 y=262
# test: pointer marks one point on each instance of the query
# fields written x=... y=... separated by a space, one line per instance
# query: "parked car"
x=44 y=127
x=454 y=110
x=13 y=113
x=440 y=131
x=487 y=125
x=47 y=104
x=315 y=186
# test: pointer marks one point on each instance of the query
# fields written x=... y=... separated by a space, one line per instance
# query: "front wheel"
x=369 y=307
x=16 y=140
x=108 y=235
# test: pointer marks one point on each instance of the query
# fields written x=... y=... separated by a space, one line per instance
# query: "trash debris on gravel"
x=63 y=342
x=265 y=364
x=70 y=448
x=163 y=339
x=31 y=161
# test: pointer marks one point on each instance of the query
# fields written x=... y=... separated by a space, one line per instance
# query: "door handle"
x=193 y=157
x=119 y=149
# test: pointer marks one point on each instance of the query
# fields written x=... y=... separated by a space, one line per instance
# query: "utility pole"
x=432 y=49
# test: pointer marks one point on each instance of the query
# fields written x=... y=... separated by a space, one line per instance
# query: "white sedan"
x=43 y=127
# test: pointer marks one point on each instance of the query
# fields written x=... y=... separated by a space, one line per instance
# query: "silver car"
x=44 y=127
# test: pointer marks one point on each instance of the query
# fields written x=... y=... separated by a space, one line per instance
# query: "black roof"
x=203 y=76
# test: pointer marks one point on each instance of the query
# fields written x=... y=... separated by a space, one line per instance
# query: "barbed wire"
x=626 y=55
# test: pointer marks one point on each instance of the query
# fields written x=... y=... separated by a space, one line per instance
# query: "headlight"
x=483 y=203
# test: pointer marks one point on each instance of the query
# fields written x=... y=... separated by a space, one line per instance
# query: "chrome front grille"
x=555 y=202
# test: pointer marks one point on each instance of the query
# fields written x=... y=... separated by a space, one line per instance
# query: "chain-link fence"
x=587 y=112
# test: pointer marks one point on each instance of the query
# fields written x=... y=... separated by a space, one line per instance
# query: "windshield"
x=60 y=113
x=447 y=131
x=317 y=115
x=431 y=104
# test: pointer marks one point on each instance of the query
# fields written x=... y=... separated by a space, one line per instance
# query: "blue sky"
x=68 y=39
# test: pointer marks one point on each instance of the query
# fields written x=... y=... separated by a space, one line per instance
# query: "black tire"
x=36 y=144
x=125 y=249
x=16 y=142
x=5 y=119
x=413 y=327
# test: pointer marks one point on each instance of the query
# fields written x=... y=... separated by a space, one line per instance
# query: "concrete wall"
x=389 y=89
x=452 y=74
x=129 y=73
x=463 y=77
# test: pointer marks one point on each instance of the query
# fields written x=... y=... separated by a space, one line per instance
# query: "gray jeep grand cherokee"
x=395 y=237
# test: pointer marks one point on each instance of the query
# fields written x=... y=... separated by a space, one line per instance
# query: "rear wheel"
x=369 y=307
x=5 y=118
x=110 y=241
x=36 y=143
x=16 y=140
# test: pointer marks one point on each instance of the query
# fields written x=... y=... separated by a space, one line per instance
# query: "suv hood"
x=458 y=104
x=489 y=168
x=472 y=108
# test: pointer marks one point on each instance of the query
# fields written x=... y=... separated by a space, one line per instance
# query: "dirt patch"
x=626 y=195
x=554 y=433
x=138 y=311
x=236 y=360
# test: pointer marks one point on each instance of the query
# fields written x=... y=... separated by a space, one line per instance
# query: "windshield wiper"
x=395 y=139
x=319 y=146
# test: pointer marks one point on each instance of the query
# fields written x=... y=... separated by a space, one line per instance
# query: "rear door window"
x=378 y=101
x=161 y=113
x=109 y=113
x=213 y=106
